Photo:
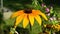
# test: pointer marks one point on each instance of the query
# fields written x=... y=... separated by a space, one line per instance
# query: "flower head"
x=47 y=10
x=51 y=18
x=43 y=4
x=48 y=14
x=28 y=16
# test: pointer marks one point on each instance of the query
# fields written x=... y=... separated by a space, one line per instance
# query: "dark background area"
x=22 y=4
x=57 y=2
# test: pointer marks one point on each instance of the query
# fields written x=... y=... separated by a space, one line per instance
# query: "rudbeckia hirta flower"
x=57 y=26
x=28 y=16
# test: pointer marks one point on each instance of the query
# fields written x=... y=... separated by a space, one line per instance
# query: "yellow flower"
x=28 y=16
x=47 y=32
x=48 y=26
x=57 y=26
x=44 y=25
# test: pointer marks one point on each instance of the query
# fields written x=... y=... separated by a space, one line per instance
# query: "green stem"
x=1 y=27
x=30 y=27
x=40 y=29
x=50 y=32
x=12 y=30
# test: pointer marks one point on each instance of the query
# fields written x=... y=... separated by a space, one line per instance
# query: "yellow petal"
x=31 y=18
x=37 y=17
x=25 y=21
x=44 y=25
x=18 y=20
x=38 y=12
x=43 y=15
x=17 y=13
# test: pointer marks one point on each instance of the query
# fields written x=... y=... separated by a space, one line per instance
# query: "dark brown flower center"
x=28 y=11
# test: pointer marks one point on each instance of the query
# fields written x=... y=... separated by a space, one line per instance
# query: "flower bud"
x=51 y=19
x=43 y=4
x=47 y=10
x=48 y=14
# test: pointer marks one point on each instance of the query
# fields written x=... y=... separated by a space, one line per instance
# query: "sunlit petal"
x=44 y=16
x=38 y=12
x=31 y=18
x=17 y=13
x=34 y=12
x=38 y=18
x=18 y=20
x=25 y=21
